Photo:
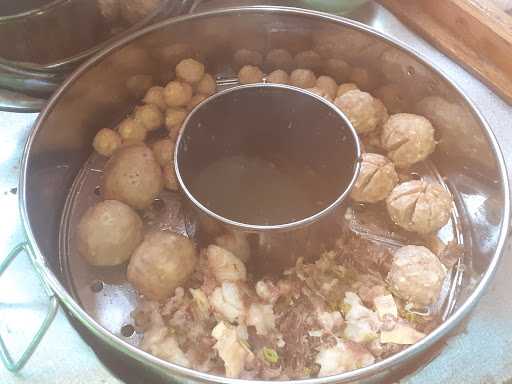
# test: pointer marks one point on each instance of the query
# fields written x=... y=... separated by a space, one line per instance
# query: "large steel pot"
x=468 y=155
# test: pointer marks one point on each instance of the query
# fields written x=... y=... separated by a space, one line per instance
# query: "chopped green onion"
x=270 y=355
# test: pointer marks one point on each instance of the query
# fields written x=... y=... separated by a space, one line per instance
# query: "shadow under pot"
x=274 y=162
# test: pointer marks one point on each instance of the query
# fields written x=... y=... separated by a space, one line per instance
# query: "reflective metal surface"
x=478 y=349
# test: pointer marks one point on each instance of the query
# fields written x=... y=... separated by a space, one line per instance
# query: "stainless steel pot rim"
x=32 y=12
x=32 y=69
x=401 y=357
x=280 y=227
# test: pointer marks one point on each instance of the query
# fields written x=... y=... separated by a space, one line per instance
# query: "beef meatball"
x=419 y=206
x=177 y=94
x=108 y=233
x=155 y=96
x=207 y=85
x=328 y=85
x=174 y=117
x=149 y=116
x=106 y=141
x=308 y=60
x=163 y=262
x=278 y=59
x=303 y=78
x=250 y=74
x=132 y=130
x=416 y=275
x=133 y=176
x=338 y=69
x=279 y=77
x=408 y=139
x=245 y=56
x=163 y=150
x=376 y=179
x=190 y=70
x=360 y=109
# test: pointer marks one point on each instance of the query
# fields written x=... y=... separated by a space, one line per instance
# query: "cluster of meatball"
x=140 y=165
x=400 y=141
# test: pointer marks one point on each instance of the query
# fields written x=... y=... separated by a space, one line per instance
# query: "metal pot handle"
x=5 y=356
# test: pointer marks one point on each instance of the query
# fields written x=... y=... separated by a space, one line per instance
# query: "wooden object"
x=475 y=32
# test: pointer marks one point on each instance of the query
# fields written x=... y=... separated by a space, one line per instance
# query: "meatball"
x=416 y=275
x=174 y=117
x=190 y=70
x=149 y=116
x=224 y=265
x=207 y=85
x=177 y=93
x=338 y=69
x=344 y=88
x=108 y=233
x=250 y=74
x=360 y=110
x=195 y=101
x=376 y=179
x=133 y=176
x=170 y=180
x=163 y=262
x=244 y=57
x=328 y=85
x=419 y=206
x=303 y=78
x=155 y=96
x=132 y=130
x=163 y=150
x=278 y=59
x=408 y=139
x=308 y=60
x=106 y=142
x=278 y=77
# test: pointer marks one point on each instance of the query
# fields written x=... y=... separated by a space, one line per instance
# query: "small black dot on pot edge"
x=97 y=286
x=127 y=330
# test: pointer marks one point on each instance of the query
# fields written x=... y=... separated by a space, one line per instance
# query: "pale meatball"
x=419 y=206
x=169 y=174
x=106 y=142
x=132 y=175
x=163 y=262
x=359 y=107
x=376 y=179
x=244 y=57
x=174 y=117
x=408 y=139
x=163 y=150
x=278 y=59
x=190 y=70
x=416 y=275
x=338 y=69
x=278 y=77
x=207 y=85
x=177 y=93
x=155 y=96
x=132 y=130
x=108 y=233
x=135 y=10
x=195 y=101
x=250 y=74
x=344 y=88
x=236 y=243
x=303 y=78
x=308 y=60
x=328 y=85
x=149 y=116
